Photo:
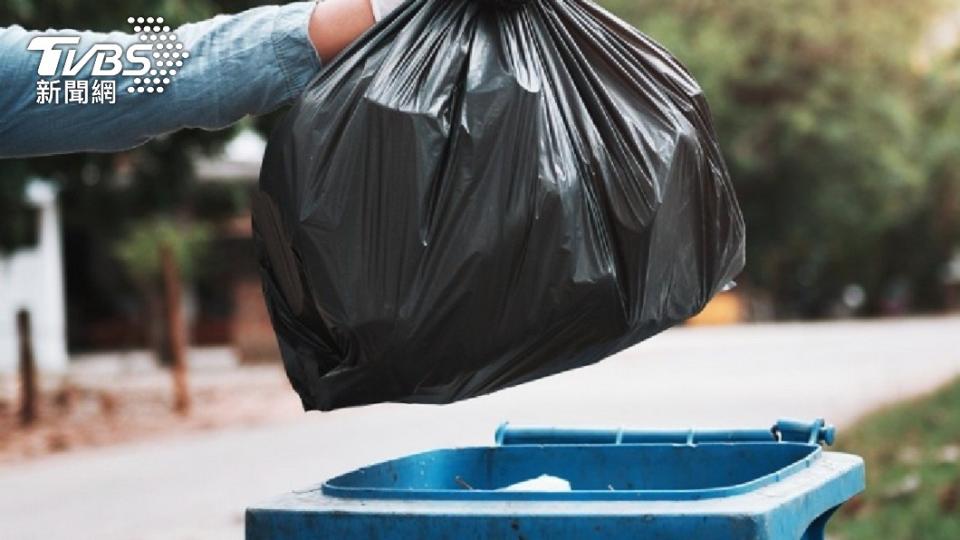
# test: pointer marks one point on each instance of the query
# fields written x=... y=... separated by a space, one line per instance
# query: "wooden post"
x=176 y=329
x=28 y=371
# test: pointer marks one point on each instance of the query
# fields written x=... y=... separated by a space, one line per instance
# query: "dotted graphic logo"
x=167 y=54
x=70 y=74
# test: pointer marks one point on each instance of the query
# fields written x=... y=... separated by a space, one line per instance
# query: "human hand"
x=334 y=24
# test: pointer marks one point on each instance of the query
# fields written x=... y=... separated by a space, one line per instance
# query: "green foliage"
x=837 y=142
x=842 y=145
x=913 y=473
x=140 y=250
x=19 y=220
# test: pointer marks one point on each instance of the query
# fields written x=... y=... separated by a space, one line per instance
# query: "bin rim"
x=331 y=489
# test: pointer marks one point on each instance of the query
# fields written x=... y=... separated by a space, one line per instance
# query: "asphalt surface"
x=742 y=376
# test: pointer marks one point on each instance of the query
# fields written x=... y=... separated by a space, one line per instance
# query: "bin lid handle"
x=794 y=431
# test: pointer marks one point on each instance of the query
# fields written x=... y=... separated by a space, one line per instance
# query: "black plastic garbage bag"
x=472 y=197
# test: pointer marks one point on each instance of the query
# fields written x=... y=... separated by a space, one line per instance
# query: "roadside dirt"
x=100 y=409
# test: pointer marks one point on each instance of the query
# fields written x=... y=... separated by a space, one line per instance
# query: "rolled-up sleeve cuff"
x=296 y=55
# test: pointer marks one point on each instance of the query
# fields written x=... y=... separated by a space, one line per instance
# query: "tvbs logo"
x=145 y=66
x=108 y=58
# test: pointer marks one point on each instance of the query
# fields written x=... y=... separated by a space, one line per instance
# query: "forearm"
x=243 y=64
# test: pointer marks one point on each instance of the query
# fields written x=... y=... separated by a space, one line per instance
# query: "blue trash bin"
x=776 y=483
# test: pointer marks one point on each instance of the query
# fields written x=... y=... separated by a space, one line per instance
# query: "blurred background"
x=136 y=352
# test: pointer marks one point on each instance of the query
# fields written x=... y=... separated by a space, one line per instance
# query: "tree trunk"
x=176 y=334
x=28 y=371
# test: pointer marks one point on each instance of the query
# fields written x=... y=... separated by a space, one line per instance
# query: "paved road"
x=196 y=488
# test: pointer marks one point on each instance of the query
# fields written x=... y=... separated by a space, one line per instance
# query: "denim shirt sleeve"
x=250 y=63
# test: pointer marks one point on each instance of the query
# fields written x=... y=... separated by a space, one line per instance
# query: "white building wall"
x=31 y=279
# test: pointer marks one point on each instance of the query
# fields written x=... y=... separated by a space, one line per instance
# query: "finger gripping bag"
x=482 y=193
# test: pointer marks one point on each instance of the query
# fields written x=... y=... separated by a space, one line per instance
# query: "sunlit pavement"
x=745 y=376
